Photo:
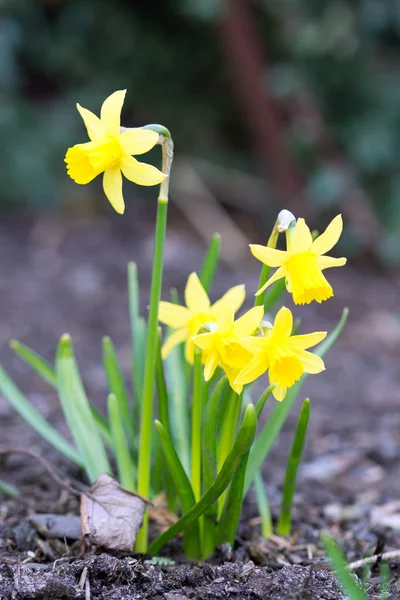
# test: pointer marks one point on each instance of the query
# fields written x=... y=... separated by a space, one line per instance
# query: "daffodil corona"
x=284 y=355
x=198 y=312
x=110 y=152
x=222 y=346
x=303 y=261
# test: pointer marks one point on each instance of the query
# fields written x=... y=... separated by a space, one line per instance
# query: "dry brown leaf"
x=110 y=515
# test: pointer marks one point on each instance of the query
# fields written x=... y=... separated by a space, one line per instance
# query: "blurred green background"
x=302 y=94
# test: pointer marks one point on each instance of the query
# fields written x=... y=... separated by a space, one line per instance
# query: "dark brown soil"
x=59 y=276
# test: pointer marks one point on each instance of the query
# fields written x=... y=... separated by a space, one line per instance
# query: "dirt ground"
x=60 y=276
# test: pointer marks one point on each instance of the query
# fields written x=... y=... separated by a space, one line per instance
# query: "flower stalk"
x=146 y=425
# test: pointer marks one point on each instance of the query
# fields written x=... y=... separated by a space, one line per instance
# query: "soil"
x=62 y=275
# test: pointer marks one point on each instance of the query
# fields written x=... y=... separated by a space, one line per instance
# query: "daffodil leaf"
x=21 y=404
x=273 y=426
x=242 y=445
x=77 y=411
x=116 y=384
x=210 y=262
x=183 y=489
x=125 y=464
x=289 y=486
x=137 y=335
x=36 y=362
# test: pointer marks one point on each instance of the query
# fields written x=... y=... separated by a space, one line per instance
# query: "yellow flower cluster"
x=248 y=347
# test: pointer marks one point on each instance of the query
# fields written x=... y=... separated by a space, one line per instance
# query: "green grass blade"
x=384 y=575
x=36 y=362
x=272 y=428
x=77 y=411
x=242 y=445
x=21 y=404
x=345 y=578
x=263 y=506
x=126 y=468
x=138 y=345
x=102 y=426
x=183 y=489
x=233 y=505
x=210 y=262
x=116 y=385
x=9 y=490
x=289 y=487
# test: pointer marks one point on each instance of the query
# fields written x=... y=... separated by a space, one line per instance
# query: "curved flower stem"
x=146 y=425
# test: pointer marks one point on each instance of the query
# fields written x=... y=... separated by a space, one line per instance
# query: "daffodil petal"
x=254 y=344
x=196 y=297
x=256 y=367
x=231 y=375
x=211 y=365
x=173 y=315
x=94 y=126
x=327 y=262
x=279 y=393
x=302 y=238
x=279 y=273
x=233 y=298
x=205 y=341
x=329 y=238
x=138 y=140
x=268 y=256
x=140 y=173
x=249 y=322
x=112 y=185
x=301 y=342
x=311 y=363
x=283 y=323
x=173 y=340
x=111 y=112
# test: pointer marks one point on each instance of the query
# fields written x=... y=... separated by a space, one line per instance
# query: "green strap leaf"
x=77 y=411
x=273 y=426
x=346 y=579
x=21 y=404
x=289 y=486
x=138 y=336
x=116 y=384
x=183 y=489
x=36 y=362
x=126 y=467
x=210 y=262
x=242 y=444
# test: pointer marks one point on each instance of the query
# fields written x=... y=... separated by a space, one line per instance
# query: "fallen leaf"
x=110 y=515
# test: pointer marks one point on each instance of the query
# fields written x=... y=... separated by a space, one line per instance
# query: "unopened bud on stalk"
x=285 y=218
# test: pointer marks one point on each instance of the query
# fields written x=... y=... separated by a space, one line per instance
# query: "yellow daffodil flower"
x=303 y=262
x=284 y=355
x=110 y=152
x=222 y=345
x=187 y=320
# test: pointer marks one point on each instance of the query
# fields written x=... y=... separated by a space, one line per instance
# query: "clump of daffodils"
x=210 y=448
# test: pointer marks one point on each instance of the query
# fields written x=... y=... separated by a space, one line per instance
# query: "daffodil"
x=222 y=345
x=303 y=262
x=284 y=355
x=187 y=320
x=110 y=152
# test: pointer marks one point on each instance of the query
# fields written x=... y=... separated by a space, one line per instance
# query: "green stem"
x=146 y=424
x=196 y=425
x=227 y=436
x=273 y=239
